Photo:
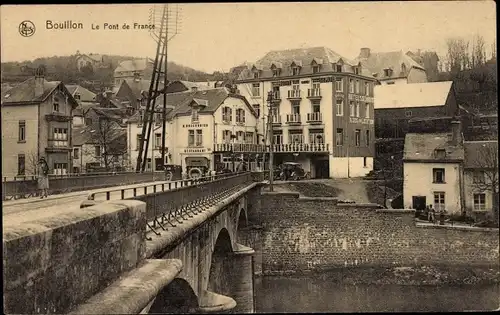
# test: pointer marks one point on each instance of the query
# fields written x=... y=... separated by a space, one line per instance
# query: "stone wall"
x=53 y=264
x=302 y=234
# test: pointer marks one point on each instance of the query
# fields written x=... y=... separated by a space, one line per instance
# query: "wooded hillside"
x=64 y=68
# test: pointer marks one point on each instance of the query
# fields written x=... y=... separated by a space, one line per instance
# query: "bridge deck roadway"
x=25 y=210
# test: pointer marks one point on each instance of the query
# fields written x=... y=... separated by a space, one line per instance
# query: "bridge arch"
x=242 y=219
x=176 y=298
x=218 y=278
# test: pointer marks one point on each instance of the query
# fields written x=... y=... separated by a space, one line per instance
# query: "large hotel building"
x=322 y=113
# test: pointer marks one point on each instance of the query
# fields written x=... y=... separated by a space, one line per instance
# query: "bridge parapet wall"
x=28 y=187
x=51 y=265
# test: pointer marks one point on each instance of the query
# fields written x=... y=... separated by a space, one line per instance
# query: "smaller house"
x=92 y=60
x=432 y=170
x=85 y=98
x=429 y=60
x=185 y=86
x=101 y=146
x=481 y=177
x=134 y=69
x=394 y=67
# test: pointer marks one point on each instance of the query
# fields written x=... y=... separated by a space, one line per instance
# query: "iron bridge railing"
x=167 y=204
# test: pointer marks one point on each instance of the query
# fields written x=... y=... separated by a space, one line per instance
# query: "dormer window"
x=356 y=70
x=77 y=96
x=276 y=72
x=315 y=68
x=256 y=75
x=295 y=70
x=194 y=115
x=387 y=72
x=440 y=153
x=403 y=68
x=338 y=68
x=55 y=105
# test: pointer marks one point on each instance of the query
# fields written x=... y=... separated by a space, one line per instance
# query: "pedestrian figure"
x=43 y=178
x=431 y=214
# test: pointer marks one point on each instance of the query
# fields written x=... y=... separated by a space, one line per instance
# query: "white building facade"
x=323 y=112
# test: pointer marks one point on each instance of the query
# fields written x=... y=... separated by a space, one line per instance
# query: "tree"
x=478 y=51
x=389 y=169
x=31 y=163
x=457 y=53
x=486 y=162
x=111 y=140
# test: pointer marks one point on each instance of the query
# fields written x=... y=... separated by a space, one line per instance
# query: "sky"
x=218 y=36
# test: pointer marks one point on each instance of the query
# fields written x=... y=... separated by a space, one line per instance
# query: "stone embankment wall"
x=300 y=234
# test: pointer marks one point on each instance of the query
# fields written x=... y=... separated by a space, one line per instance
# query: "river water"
x=306 y=295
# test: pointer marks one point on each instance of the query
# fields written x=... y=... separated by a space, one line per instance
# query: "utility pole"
x=166 y=24
x=270 y=103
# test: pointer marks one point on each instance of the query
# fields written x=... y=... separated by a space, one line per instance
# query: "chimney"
x=456 y=132
x=39 y=81
x=364 y=53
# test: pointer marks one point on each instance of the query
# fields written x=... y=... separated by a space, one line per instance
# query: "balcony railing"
x=293 y=119
x=302 y=147
x=239 y=147
x=276 y=119
x=58 y=117
x=294 y=94
x=276 y=96
x=57 y=145
x=314 y=93
x=314 y=117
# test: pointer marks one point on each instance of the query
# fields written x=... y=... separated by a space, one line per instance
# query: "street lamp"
x=270 y=104
x=233 y=138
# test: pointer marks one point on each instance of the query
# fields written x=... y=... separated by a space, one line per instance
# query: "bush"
x=461 y=218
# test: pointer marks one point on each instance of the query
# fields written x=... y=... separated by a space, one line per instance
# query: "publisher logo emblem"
x=27 y=28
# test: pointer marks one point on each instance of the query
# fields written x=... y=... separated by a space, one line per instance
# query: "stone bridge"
x=172 y=251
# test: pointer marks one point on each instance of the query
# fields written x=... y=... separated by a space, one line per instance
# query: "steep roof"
x=179 y=103
x=300 y=56
x=188 y=86
x=111 y=113
x=24 y=92
x=421 y=146
x=379 y=61
x=411 y=95
x=304 y=55
x=481 y=154
x=133 y=65
x=85 y=94
x=88 y=135
x=139 y=86
x=95 y=57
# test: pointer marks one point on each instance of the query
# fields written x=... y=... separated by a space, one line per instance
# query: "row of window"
x=296 y=69
x=240 y=136
x=59 y=133
x=317 y=136
x=339 y=137
x=438 y=176
x=354 y=87
x=354 y=108
x=227 y=115
x=296 y=137
x=479 y=201
x=59 y=168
